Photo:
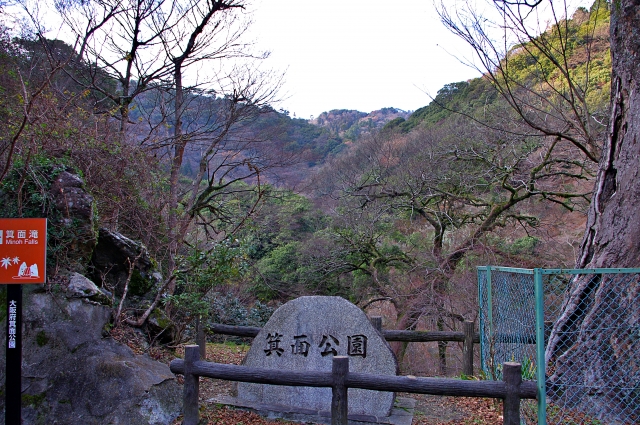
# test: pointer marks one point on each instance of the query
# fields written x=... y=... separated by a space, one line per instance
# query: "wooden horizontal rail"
x=255 y=375
x=389 y=335
x=511 y=389
x=437 y=386
x=409 y=384
x=426 y=336
x=244 y=331
x=468 y=337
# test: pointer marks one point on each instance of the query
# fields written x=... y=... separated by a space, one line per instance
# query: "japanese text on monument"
x=302 y=345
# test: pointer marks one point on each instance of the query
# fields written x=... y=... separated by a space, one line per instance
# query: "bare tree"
x=206 y=32
x=553 y=100
x=122 y=40
x=181 y=81
x=209 y=116
x=462 y=181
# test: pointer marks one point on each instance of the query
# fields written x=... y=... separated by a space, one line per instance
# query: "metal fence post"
x=540 y=347
x=467 y=348
x=489 y=300
x=339 y=399
x=512 y=377
x=191 y=386
x=481 y=272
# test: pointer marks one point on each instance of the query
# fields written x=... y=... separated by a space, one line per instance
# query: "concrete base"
x=401 y=414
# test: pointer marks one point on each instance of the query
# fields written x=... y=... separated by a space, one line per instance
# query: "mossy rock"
x=139 y=285
x=41 y=339
x=161 y=328
x=34 y=400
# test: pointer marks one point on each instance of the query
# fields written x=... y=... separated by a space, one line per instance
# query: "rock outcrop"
x=74 y=212
x=114 y=255
x=74 y=374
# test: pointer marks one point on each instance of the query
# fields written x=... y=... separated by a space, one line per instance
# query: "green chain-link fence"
x=590 y=340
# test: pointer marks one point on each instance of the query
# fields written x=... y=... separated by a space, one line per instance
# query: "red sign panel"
x=23 y=250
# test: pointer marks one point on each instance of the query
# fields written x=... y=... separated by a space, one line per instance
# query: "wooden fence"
x=468 y=337
x=511 y=390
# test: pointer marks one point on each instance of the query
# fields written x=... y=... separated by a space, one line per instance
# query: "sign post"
x=13 y=394
x=23 y=259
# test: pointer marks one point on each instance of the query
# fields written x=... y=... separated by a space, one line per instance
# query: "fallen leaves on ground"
x=479 y=411
x=135 y=340
x=228 y=353
x=227 y=416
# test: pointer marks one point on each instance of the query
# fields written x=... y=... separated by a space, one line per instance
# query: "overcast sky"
x=345 y=54
x=366 y=54
x=358 y=54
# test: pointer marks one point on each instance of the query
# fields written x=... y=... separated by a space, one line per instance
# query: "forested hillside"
x=238 y=201
x=308 y=142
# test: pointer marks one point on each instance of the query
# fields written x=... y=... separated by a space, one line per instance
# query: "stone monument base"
x=401 y=413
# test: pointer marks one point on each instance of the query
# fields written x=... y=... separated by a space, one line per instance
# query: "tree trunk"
x=586 y=347
x=611 y=238
x=175 y=236
x=442 y=349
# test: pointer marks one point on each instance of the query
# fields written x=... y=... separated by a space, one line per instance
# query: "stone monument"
x=304 y=335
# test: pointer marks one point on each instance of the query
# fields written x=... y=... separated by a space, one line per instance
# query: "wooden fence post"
x=376 y=321
x=339 y=399
x=467 y=348
x=191 y=386
x=201 y=338
x=512 y=377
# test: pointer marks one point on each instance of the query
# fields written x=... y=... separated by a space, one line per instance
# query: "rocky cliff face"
x=73 y=216
x=351 y=124
x=73 y=373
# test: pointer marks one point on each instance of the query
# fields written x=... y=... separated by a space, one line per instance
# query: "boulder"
x=81 y=287
x=303 y=335
x=161 y=328
x=110 y=264
x=73 y=375
x=113 y=256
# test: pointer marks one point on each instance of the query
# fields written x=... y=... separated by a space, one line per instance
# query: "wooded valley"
x=242 y=207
